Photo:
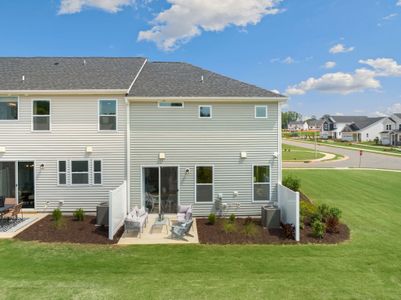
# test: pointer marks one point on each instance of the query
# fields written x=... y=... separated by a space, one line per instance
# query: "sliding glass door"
x=160 y=189
x=17 y=180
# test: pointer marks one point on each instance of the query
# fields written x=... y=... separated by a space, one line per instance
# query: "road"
x=369 y=160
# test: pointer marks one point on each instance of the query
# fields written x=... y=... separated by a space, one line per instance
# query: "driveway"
x=369 y=160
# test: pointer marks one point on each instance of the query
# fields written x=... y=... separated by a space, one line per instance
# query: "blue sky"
x=331 y=56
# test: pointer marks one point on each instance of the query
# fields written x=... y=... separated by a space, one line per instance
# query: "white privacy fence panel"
x=117 y=208
x=288 y=202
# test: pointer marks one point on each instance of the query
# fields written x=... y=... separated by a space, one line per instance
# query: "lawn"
x=367 y=267
x=291 y=153
x=393 y=151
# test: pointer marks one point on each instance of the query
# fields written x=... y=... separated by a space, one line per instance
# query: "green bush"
x=79 y=214
x=324 y=211
x=249 y=229
x=335 y=212
x=318 y=228
x=232 y=218
x=333 y=220
x=229 y=227
x=212 y=219
x=57 y=215
x=317 y=216
x=293 y=183
x=307 y=209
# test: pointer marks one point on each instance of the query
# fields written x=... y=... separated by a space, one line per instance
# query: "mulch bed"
x=215 y=234
x=71 y=231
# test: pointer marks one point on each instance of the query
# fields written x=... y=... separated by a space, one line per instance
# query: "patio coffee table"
x=160 y=224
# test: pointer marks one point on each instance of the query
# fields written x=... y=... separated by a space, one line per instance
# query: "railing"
x=288 y=202
x=117 y=208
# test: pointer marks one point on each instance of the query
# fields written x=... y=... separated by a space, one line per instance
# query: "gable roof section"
x=176 y=79
x=348 y=119
x=68 y=73
x=361 y=124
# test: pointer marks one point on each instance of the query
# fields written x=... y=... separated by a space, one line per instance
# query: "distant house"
x=364 y=129
x=297 y=126
x=391 y=134
x=314 y=124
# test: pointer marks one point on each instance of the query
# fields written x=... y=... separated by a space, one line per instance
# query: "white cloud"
x=390 y=16
x=186 y=19
x=392 y=109
x=383 y=67
x=330 y=64
x=399 y=3
x=345 y=83
x=76 y=6
x=340 y=48
x=339 y=114
x=289 y=60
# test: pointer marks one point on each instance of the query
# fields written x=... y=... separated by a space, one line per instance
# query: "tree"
x=289 y=116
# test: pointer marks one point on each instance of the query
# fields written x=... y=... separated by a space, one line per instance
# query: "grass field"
x=299 y=153
x=367 y=267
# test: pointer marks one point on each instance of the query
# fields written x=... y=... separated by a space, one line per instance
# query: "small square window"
x=8 y=108
x=205 y=111
x=261 y=112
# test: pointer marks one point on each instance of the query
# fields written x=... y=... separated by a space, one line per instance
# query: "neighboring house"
x=363 y=130
x=334 y=125
x=72 y=129
x=297 y=126
x=391 y=134
x=315 y=124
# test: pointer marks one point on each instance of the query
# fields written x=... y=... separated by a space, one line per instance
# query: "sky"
x=339 y=57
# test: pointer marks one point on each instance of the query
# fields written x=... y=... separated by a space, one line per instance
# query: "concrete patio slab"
x=154 y=236
x=32 y=218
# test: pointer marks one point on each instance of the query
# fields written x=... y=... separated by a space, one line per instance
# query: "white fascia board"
x=63 y=92
x=211 y=99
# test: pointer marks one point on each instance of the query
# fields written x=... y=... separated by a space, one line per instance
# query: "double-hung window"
x=107 y=115
x=79 y=172
x=97 y=172
x=41 y=115
x=62 y=172
x=8 y=108
x=261 y=183
x=204 y=184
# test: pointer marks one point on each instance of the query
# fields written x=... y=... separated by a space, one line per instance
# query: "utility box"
x=102 y=214
x=270 y=217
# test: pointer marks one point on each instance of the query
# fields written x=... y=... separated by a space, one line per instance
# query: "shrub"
x=335 y=213
x=324 y=211
x=212 y=219
x=249 y=229
x=289 y=231
x=232 y=218
x=333 y=220
x=57 y=215
x=307 y=209
x=293 y=183
x=317 y=216
x=228 y=227
x=318 y=228
x=79 y=214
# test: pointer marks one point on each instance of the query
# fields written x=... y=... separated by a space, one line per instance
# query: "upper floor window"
x=400 y=127
x=261 y=112
x=8 y=108
x=388 y=127
x=261 y=183
x=171 y=104
x=205 y=111
x=107 y=115
x=41 y=115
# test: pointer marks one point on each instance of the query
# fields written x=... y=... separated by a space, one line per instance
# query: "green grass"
x=299 y=153
x=367 y=267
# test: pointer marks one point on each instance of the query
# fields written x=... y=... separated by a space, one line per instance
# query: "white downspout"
x=128 y=154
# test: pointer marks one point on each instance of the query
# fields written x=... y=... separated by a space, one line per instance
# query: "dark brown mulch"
x=215 y=234
x=71 y=231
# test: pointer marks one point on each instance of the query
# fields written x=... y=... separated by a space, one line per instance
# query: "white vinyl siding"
x=74 y=126
x=41 y=115
x=189 y=141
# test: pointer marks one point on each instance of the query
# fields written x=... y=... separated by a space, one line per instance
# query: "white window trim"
x=89 y=171
x=170 y=107
x=33 y=116
x=99 y=115
x=18 y=109
x=196 y=184
x=262 y=106
x=59 y=172
x=269 y=183
x=96 y=172
x=211 y=111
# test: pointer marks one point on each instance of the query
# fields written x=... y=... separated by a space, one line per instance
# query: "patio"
x=9 y=229
x=158 y=235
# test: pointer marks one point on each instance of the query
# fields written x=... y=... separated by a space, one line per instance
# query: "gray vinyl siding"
x=74 y=125
x=188 y=141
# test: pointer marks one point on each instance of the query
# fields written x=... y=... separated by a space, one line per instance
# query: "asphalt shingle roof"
x=176 y=79
x=157 y=79
x=68 y=73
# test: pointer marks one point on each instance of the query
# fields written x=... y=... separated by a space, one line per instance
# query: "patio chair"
x=184 y=213
x=13 y=213
x=178 y=232
x=10 y=201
